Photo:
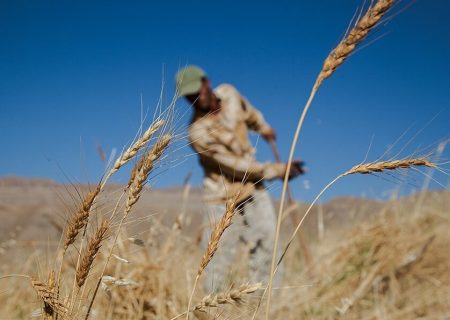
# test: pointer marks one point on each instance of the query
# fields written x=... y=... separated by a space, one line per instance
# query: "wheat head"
x=141 y=177
x=356 y=35
x=80 y=218
x=138 y=145
x=372 y=167
x=216 y=234
x=90 y=253
x=232 y=296
x=49 y=296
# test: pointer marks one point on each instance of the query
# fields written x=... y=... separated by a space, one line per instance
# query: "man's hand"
x=297 y=168
x=269 y=134
x=278 y=170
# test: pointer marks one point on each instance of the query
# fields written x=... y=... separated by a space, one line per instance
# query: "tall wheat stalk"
x=365 y=168
x=80 y=219
x=335 y=59
x=135 y=190
x=213 y=243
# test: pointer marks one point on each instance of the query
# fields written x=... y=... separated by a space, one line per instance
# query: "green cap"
x=189 y=80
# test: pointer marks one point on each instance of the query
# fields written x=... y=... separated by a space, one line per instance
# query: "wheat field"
x=108 y=262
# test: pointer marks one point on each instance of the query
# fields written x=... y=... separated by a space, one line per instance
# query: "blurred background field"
x=371 y=259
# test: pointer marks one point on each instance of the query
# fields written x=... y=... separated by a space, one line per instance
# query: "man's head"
x=193 y=83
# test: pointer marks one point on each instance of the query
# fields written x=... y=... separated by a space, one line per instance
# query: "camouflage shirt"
x=225 y=153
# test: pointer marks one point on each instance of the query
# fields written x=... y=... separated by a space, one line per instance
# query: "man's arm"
x=214 y=154
x=254 y=119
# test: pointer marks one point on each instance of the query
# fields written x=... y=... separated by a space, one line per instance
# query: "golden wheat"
x=89 y=255
x=367 y=168
x=133 y=196
x=336 y=58
x=141 y=177
x=216 y=234
x=232 y=296
x=138 y=145
x=353 y=38
x=49 y=296
x=79 y=220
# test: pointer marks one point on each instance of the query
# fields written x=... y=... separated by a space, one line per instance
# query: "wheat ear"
x=48 y=295
x=80 y=219
x=336 y=58
x=136 y=168
x=374 y=167
x=138 y=145
x=48 y=310
x=353 y=38
x=216 y=234
x=213 y=243
x=90 y=253
x=232 y=296
x=147 y=166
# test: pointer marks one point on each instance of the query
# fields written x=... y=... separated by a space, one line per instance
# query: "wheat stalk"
x=49 y=296
x=213 y=243
x=77 y=221
x=89 y=255
x=365 y=168
x=336 y=58
x=216 y=234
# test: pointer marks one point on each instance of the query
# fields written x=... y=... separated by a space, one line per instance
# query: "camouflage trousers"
x=245 y=249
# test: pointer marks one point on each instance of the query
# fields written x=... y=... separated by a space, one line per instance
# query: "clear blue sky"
x=72 y=73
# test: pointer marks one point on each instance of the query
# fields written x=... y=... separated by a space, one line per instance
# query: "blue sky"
x=72 y=74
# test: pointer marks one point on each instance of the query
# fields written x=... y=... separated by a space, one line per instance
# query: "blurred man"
x=218 y=132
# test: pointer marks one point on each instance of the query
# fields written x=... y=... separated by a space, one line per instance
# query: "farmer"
x=218 y=132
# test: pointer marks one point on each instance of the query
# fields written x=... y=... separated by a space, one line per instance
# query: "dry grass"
x=393 y=267
x=365 y=168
